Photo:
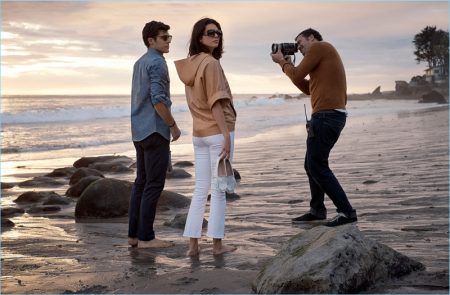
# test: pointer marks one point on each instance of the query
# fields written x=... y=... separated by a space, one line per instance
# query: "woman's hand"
x=226 y=148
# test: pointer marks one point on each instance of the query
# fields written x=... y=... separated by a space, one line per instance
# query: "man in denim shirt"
x=152 y=125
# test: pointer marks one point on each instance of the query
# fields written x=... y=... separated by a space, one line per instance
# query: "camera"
x=286 y=48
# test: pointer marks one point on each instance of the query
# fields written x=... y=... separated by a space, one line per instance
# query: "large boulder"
x=88 y=161
x=83 y=172
x=104 y=198
x=75 y=191
x=331 y=260
x=433 y=96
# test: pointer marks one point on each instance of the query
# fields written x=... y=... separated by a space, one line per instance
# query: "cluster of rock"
x=419 y=87
x=96 y=196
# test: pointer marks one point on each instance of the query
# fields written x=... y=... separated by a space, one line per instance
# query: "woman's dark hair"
x=152 y=29
x=197 y=32
x=308 y=32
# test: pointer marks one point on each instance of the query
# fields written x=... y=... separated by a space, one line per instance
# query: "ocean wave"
x=80 y=114
x=51 y=147
x=71 y=114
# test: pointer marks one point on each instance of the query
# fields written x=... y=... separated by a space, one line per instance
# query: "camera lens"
x=274 y=48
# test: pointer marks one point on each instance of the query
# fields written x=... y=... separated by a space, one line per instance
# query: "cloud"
x=103 y=39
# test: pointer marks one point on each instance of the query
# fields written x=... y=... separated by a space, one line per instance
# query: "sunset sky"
x=89 y=47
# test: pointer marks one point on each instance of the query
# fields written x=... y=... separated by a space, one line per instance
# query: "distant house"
x=436 y=74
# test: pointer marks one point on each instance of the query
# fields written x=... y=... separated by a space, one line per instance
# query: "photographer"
x=328 y=90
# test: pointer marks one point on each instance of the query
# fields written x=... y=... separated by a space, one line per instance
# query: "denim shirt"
x=150 y=86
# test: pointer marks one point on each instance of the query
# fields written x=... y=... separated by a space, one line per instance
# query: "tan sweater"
x=205 y=84
x=327 y=85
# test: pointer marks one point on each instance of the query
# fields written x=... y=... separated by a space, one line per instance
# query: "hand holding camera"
x=283 y=51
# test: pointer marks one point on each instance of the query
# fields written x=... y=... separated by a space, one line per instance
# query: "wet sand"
x=394 y=169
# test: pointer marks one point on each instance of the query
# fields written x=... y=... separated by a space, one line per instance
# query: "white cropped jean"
x=207 y=150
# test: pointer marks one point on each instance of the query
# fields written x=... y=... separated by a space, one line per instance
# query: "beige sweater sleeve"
x=215 y=83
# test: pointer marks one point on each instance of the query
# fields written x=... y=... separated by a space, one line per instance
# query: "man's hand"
x=175 y=131
x=278 y=57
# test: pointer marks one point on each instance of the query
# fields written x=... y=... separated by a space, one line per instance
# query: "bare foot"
x=193 y=252
x=194 y=249
x=133 y=242
x=155 y=243
x=223 y=249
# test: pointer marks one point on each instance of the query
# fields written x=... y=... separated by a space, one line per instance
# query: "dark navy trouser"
x=152 y=158
x=326 y=127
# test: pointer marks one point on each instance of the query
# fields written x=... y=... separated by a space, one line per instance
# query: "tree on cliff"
x=432 y=47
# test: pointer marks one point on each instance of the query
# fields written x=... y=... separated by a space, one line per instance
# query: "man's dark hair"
x=152 y=29
x=308 y=32
x=197 y=32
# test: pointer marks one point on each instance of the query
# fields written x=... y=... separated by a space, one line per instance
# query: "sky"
x=89 y=47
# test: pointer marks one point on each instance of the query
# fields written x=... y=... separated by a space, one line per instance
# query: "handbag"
x=225 y=176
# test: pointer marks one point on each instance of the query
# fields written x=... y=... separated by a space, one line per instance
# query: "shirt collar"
x=154 y=51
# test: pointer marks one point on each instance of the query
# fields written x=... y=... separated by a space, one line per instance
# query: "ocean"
x=60 y=128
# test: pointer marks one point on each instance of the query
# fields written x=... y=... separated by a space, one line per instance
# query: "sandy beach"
x=393 y=167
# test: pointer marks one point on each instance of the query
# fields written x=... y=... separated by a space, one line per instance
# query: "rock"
x=433 y=96
x=56 y=200
x=376 y=92
x=77 y=189
x=41 y=181
x=86 y=161
x=177 y=173
x=183 y=164
x=34 y=197
x=104 y=198
x=402 y=88
x=62 y=172
x=331 y=260
x=11 y=211
x=83 y=172
x=173 y=200
x=111 y=167
x=370 y=181
x=179 y=221
x=6 y=223
x=7 y=185
x=43 y=209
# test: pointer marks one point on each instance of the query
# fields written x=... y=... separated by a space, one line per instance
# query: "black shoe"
x=306 y=217
x=341 y=219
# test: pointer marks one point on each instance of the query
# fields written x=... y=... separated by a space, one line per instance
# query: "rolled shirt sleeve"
x=160 y=83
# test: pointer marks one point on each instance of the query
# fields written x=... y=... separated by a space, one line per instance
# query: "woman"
x=211 y=104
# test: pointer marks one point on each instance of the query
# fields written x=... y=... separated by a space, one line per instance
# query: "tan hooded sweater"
x=205 y=84
x=327 y=85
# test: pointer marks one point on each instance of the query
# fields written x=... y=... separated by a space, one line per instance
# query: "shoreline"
x=393 y=167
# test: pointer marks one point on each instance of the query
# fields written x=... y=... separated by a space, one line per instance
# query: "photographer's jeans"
x=327 y=127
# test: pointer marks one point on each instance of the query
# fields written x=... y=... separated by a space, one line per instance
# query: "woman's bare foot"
x=223 y=249
x=155 y=243
x=218 y=248
x=193 y=252
x=194 y=249
x=133 y=242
